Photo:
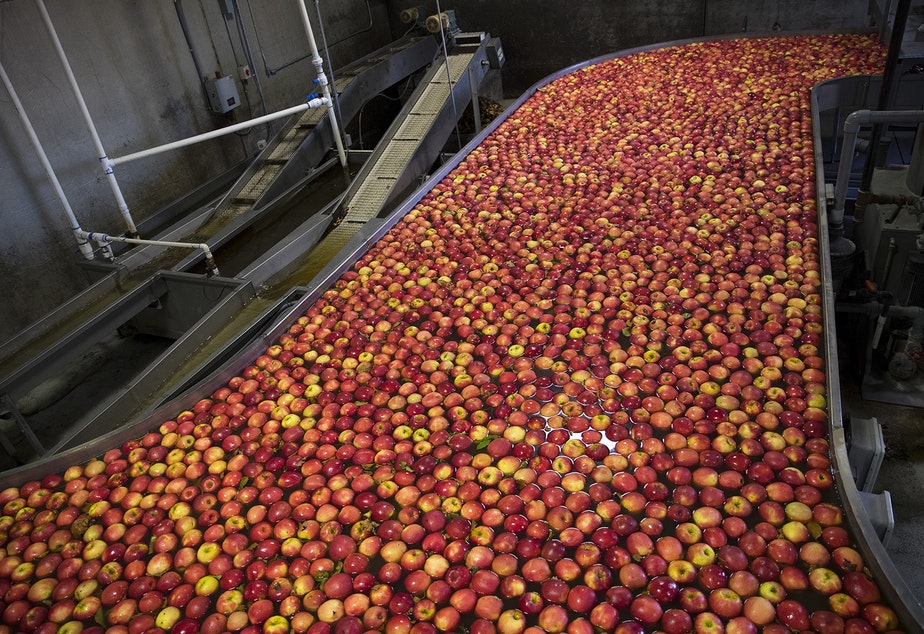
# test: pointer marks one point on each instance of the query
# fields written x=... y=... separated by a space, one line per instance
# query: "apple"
x=859 y=586
x=675 y=621
x=793 y=614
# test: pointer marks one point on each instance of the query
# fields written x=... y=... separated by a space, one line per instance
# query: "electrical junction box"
x=223 y=96
x=495 y=53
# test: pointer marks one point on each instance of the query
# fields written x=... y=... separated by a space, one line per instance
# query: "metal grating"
x=396 y=156
x=341 y=234
x=432 y=100
x=285 y=149
x=290 y=135
x=257 y=184
x=375 y=189
x=233 y=210
x=414 y=127
x=311 y=117
x=457 y=66
x=368 y=200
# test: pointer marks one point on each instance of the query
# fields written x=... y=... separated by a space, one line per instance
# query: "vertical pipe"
x=101 y=152
x=85 y=247
x=242 y=30
x=452 y=94
x=888 y=82
x=890 y=260
x=322 y=81
x=333 y=79
x=476 y=105
x=184 y=26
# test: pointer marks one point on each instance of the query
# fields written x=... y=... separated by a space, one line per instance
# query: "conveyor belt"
x=251 y=190
x=414 y=138
x=295 y=151
x=272 y=165
x=407 y=150
x=376 y=188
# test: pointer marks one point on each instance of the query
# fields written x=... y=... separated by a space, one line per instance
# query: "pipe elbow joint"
x=855 y=119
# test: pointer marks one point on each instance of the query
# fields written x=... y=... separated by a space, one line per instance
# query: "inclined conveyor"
x=407 y=151
x=157 y=291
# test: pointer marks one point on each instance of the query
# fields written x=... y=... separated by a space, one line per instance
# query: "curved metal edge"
x=878 y=560
x=875 y=555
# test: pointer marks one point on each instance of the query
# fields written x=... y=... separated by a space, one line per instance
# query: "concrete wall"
x=543 y=36
x=138 y=79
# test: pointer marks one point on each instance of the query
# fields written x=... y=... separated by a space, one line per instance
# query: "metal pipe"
x=101 y=152
x=476 y=100
x=86 y=249
x=888 y=81
x=852 y=125
x=249 y=54
x=104 y=238
x=322 y=81
x=205 y=136
x=333 y=80
x=890 y=259
x=914 y=313
x=184 y=26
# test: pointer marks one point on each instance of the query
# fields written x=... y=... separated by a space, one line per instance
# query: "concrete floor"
x=902 y=475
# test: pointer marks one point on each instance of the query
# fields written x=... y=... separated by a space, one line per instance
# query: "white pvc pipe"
x=852 y=125
x=104 y=238
x=322 y=81
x=101 y=152
x=205 y=136
x=86 y=249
